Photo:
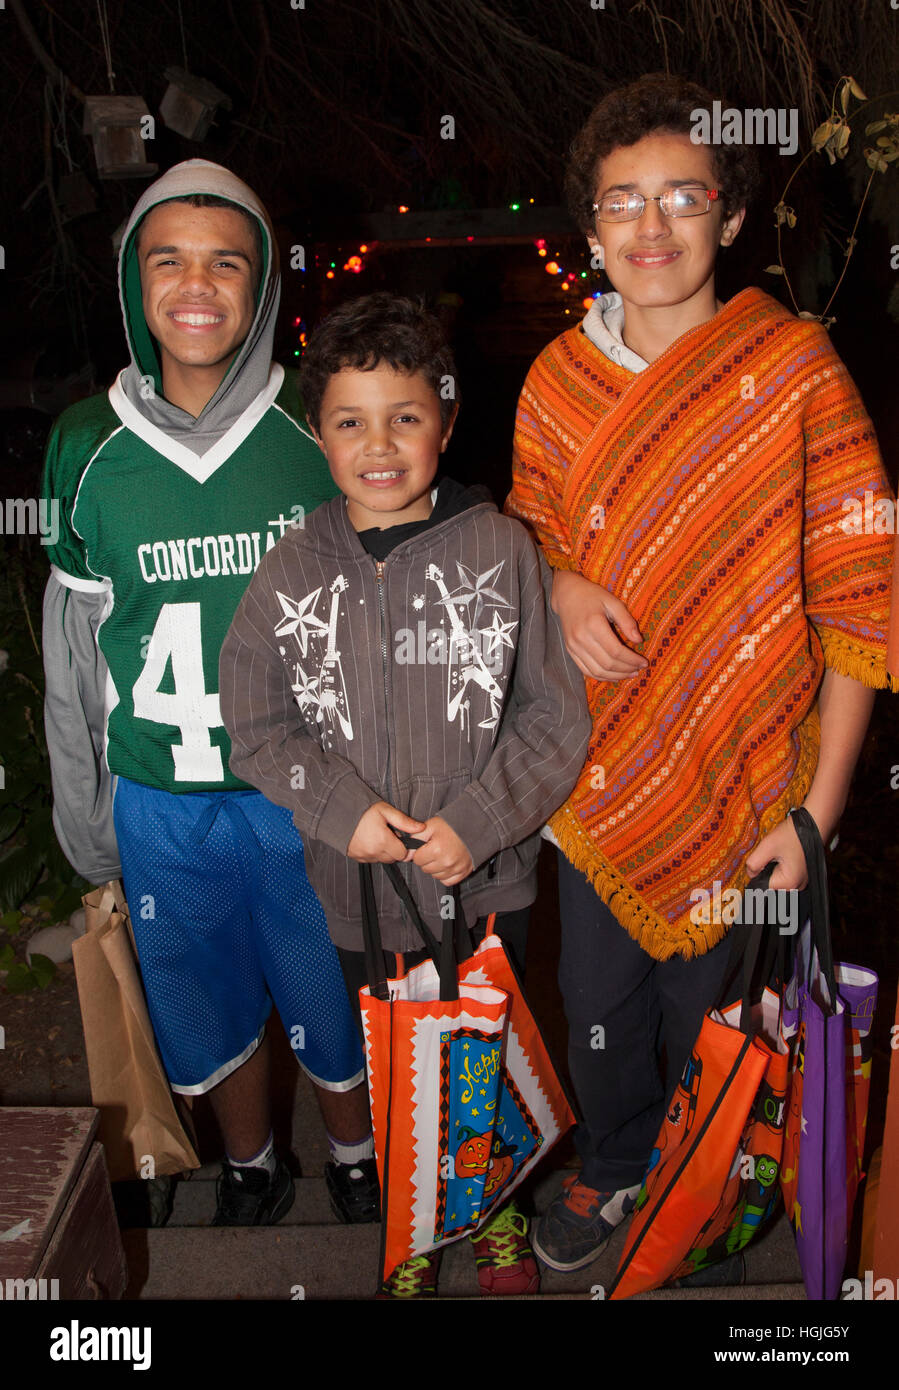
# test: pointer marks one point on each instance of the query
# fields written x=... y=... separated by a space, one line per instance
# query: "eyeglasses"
x=674 y=202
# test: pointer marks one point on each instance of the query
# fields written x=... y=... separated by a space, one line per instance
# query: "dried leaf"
x=875 y=160
x=774 y=270
x=859 y=94
x=822 y=135
x=844 y=95
x=54 y=1033
x=806 y=315
x=841 y=141
x=791 y=218
x=875 y=125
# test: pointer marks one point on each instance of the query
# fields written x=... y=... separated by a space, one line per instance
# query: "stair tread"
x=330 y=1260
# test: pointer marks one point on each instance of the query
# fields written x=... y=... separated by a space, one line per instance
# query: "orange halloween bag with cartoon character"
x=464 y=1097
x=712 y=1177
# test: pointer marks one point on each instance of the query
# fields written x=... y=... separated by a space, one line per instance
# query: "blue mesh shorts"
x=226 y=921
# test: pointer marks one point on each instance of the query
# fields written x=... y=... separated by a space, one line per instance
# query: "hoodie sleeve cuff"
x=474 y=827
x=347 y=804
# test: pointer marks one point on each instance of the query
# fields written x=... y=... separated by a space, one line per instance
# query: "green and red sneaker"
x=504 y=1259
x=415 y=1278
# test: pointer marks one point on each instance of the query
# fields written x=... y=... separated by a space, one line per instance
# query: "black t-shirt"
x=452 y=498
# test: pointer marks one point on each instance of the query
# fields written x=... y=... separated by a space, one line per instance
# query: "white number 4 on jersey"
x=190 y=709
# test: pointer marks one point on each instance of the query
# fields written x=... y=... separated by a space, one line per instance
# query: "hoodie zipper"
x=382 y=606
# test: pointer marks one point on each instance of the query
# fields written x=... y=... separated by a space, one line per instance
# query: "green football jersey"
x=172 y=539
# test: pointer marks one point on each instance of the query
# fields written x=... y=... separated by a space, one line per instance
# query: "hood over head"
x=249 y=372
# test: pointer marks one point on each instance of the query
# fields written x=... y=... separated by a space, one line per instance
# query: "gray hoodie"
x=436 y=680
x=77 y=682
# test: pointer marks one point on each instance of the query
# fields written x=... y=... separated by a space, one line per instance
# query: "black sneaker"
x=249 y=1197
x=354 y=1191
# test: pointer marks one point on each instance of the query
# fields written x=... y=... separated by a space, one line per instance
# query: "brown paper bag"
x=138 y=1119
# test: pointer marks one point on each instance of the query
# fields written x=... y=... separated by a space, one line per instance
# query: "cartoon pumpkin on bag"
x=473 y=1154
x=484 y=1153
x=501 y=1166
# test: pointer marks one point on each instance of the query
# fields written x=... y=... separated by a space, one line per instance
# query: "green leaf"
x=7 y=957
x=19 y=872
x=67 y=901
x=20 y=979
x=10 y=820
x=10 y=921
x=43 y=969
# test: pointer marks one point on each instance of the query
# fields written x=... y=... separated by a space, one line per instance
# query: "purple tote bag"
x=828 y=1012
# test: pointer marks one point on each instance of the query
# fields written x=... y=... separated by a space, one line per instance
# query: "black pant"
x=510 y=927
x=622 y=1008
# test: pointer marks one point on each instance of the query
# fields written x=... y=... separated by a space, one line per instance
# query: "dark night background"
x=336 y=112
x=335 y=121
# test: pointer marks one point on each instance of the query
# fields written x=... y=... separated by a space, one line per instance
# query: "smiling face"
x=382 y=435
x=198 y=272
x=656 y=262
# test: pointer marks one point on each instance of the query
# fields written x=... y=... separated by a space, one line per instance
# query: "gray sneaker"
x=578 y=1224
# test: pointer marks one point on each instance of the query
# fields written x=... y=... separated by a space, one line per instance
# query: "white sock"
x=620 y=1204
x=264 y=1159
x=351 y=1153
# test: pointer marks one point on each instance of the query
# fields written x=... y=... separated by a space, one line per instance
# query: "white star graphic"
x=497 y=635
x=298 y=615
x=305 y=688
x=477 y=586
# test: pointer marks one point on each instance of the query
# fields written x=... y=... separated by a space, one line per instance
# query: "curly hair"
x=655 y=102
x=376 y=329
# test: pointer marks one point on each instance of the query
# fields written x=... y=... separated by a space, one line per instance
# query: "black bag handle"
x=757 y=958
x=813 y=849
x=752 y=957
x=444 y=953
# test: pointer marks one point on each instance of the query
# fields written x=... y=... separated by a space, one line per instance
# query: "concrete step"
x=341 y=1262
x=194 y=1203
x=309 y=1250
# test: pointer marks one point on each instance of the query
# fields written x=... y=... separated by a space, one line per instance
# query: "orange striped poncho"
x=728 y=495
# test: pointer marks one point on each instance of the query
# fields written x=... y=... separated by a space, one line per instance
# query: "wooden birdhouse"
x=190 y=104
x=119 y=128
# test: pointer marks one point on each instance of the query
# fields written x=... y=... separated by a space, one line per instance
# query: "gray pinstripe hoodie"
x=436 y=680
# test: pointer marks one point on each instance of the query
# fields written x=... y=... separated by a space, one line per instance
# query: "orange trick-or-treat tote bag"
x=712 y=1177
x=464 y=1097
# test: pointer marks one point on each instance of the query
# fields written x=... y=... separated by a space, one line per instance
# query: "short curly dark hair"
x=655 y=102
x=376 y=329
